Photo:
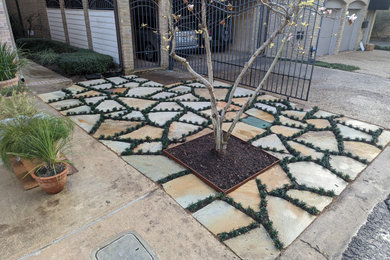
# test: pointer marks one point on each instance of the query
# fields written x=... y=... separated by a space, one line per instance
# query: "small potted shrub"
x=10 y=65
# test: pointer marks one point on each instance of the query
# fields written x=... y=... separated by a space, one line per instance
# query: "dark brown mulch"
x=240 y=163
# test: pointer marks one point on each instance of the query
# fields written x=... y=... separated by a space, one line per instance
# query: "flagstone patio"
x=320 y=152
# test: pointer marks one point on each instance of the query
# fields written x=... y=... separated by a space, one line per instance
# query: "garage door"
x=328 y=33
x=351 y=32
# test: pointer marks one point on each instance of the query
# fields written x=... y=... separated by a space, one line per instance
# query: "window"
x=74 y=4
x=101 y=4
x=53 y=3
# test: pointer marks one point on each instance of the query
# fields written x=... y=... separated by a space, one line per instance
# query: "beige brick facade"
x=5 y=27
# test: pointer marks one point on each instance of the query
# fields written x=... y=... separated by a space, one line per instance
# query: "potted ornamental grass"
x=10 y=65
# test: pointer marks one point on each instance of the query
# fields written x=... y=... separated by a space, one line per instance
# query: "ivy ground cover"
x=320 y=153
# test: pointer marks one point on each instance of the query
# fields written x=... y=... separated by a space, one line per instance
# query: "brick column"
x=62 y=6
x=125 y=25
x=87 y=24
x=343 y=17
x=359 y=37
x=5 y=26
x=163 y=12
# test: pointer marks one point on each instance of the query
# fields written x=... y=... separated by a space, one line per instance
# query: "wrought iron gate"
x=237 y=29
x=145 y=23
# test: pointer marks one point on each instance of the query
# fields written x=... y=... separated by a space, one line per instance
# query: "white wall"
x=103 y=30
x=76 y=28
x=56 y=26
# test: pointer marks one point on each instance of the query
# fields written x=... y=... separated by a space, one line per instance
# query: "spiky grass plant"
x=10 y=63
x=18 y=104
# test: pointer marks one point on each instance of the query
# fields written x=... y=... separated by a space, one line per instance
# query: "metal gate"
x=236 y=31
x=145 y=23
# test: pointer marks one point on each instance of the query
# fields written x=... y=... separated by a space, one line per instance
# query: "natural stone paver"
x=240 y=101
x=167 y=106
x=188 y=189
x=322 y=139
x=66 y=103
x=305 y=151
x=163 y=94
x=314 y=175
x=156 y=167
x=287 y=218
x=280 y=156
x=137 y=102
x=218 y=83
x=118 y=90
x=197 y=85
x=90 y=93
x=270 y=141
x=349 y=132
x=108 y=105
x=180 y=89
x=197 y=105
x=298 y=114
x=274 y=178
x=248 y=195
x=220 y=93
x=253 y=121
x=152 y=147
x=310 y=198
x=192 y=118
x=93 y=82
x=220 y=217
x=221 y=105
x=185 y=97
x=346 y=165
x=80 y=109
x=267 y=108
x=94 y=100
x=322 y=113
x=150 y=84
x=130 y=85
x=142 y=91
x=229 y=116
x=116 y=114
x=161 y=118
x=256 y=244
x=86 y=122
x=110 y=127
x=286 y=120
x=243 y=131
x=281 y=105
x=363 y=150
x=146 y=131
x=117 y=80
x=52 y=95
x=130 y=76
x=267 y=98
x=261 y=114
x=319 y=123
x=139 y=79
x=358 y=124
x=134 y=115
x=242 y=92
x=286 y=131
x=102 y=86
x=75 y=88
x=384 y=138
x=179 y=129
x=116 y=146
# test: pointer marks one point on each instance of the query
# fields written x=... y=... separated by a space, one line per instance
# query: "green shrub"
x=36 y=45
x=84 y=62
x=15 y=105
x=46 y=57
x=9 y=91
x=10 y=64
x=383 y=48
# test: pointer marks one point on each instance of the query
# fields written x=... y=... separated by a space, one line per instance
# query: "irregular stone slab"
x=142 y=91
x=102 y=86
x=117 y=146
x=280 y=156
x=287 y=219
x=314 y=175
x=130 y=76
x=144 y=132
x=110 y=127
x=81 y=109
x=108 y=105
x=94 y=100
x=118 y=90
x=346 y=165
x=322 y=139
x=270 y=141
x=76 y=88
x=188 y=189
x=260 y=114
x=248 y=195
x=310 y=198
x=185 y=97
x=242 y=92
x=266 y=108
x=155 y=167
x=229 y=116
x=91 y=93
x=152 y=147
x=240 y=101
x=52 y=95
x=167 y=105
x=267 y=98
x=220 y=93
x=197 y=85
x=305 y=151
x=384 y=138
x=65 y=103
x=256 y=244
x=285 y=130
x=243 y=131
x=178 y=129
x=220 y=217
x=319 y=123
x=221 y=105
x=192 y=117
x=138 y=103
x=117 y=113
x=274 y=178
x=117 y=80
x=161 y=118
x=363 y=150
x=281 y=105
x=253 y=121
x=139 y=79
x=321 y=113
x=86 y=122
x=130 y=85
x=349 y=132
x=180 y=89
x=286 y=120
x=358 y=124
x=93 y=82
x=218 y=83
x=151 y=84
x=163 y=94
x=134 y=115
x=194 y=136
x=197 y=105
x=298 y=114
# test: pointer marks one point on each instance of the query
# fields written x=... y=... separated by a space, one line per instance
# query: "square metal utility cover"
x=125 y=246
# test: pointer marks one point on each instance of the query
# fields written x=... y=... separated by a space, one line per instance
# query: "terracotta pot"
x=10 y=82
x=52 y=184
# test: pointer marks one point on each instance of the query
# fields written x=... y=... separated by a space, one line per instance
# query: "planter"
x=369 y=47
x=52 y=184
x=10 y=82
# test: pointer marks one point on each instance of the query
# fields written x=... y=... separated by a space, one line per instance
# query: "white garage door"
x=351 y=32
x=328 y=33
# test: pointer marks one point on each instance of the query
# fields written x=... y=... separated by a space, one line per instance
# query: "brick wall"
x=5 y=29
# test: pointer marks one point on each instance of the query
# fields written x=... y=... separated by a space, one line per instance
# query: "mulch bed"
x=241 y=162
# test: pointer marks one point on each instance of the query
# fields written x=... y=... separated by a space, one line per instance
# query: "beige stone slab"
x=242 y=92
x=110 y=127
x=256 y=244
x=151 y=84
x=248 y=195
x=130 y=85
x=220 y=93
x=117 y=80
x=284 y=130
x=142 y=91
x=363 y=150
x=243 y=131
x=220 y=217
x=322 y=113
x=280 y=156
x=102 y=86
x=161 y=118
x=164 y=95
x=178 y=129
x=65 y=103
x=240 y=101
x=108 y=105
x=180 y=89
x=90 y=93
x=299 y=114
x=270 y=141
x=137 y=115
x=322 y=139
x=116 y=146
x=197 y=105
x=286 y=120
x=310 y=198
x=138 y=102
x=75 y=88
x=149 y=147
x=314 y=175
x=185 y=97
x=266 y=107
x=86 y=122
x=260 y=114
x=192 y=117
x=221 y=105
x=305 y=151
x=352 y=133
x=167 y=105
x=188 y=189
x=274 y=178
x=79 y=109
x=144 y=132
x=94 y=100
x=118 y=90
x=384 y=138
x=346 y=165
x=287 y=219
x=267 y=98
x=319 y=123
x=358 y=124
x=93 y=82
x=52 y=95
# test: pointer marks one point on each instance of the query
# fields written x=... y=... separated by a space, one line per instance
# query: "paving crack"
x=316 y=248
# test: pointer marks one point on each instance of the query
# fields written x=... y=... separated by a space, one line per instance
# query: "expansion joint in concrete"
x=315 y=248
